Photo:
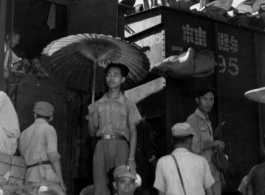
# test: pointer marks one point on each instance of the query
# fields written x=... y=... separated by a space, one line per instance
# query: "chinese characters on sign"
x=193 y=35
x=228 y=43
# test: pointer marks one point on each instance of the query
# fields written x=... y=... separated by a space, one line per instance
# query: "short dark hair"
x=181 y=140
x=34 y=56
x=124 y=69
x=203 y=90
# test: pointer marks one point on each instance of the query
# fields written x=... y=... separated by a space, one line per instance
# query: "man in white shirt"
x=193 y=177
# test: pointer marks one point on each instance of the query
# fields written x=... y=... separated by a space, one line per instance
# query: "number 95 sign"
x=229 y=65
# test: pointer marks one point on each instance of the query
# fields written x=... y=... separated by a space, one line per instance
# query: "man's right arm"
x=212 y=144
x=91 y=117
x=91 y=127
x=197 y=144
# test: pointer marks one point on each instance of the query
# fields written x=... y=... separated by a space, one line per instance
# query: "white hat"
x=182 y=129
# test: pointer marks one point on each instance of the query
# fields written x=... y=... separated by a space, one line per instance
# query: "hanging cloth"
x=9 y=125
x=52 y=17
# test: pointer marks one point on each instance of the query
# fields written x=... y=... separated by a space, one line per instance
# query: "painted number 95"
x=232 y=67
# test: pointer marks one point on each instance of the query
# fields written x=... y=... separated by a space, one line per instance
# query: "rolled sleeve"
x=51 y=138
x=53 y=156
x=134 y=115
x=208 y=180
x=197 y=144
x=159 y=179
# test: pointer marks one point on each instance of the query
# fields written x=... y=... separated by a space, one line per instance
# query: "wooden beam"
x=141 y=92
x=62 y=2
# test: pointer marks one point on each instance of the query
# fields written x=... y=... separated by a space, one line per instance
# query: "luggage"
x=220 y=161
x=18 y=170
x=12 y=169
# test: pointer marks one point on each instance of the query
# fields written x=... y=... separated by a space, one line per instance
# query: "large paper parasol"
x=257 y=95
x=79 y=60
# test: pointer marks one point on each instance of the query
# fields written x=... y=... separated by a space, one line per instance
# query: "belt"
x=115 y=137
x=46 y=162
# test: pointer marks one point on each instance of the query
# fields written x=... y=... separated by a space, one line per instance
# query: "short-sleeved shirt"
x=114 y=117
x=204 y=133
x=194 y=170
x=39 y=143
x=256 y=179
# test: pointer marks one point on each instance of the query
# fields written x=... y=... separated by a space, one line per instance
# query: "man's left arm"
x=133 y=142
x=134 y=118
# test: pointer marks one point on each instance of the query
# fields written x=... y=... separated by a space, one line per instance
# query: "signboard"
x=136 y=27
x=187 y=31
x=153 y=46
x=236 y=75
x=139 y=93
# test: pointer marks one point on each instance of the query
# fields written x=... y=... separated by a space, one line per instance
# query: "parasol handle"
x=94 y=81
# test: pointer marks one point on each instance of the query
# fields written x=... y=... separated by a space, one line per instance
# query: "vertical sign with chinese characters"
x=228 y=44
x=235 y=53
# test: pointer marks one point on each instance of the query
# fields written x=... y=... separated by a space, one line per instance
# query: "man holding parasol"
x=113 y=119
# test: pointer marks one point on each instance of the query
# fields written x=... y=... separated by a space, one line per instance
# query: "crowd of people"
x=247 y=13
x=27 y=63
x=37 y=145
x=124 y=149
x=189 y=169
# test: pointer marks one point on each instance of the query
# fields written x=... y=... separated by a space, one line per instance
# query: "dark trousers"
x=108 y=155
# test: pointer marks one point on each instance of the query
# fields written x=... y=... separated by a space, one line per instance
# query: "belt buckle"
x=107 y=136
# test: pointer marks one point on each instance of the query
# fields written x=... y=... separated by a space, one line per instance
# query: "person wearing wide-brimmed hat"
x=113 y=119
x=38 y=145
x=183 y=172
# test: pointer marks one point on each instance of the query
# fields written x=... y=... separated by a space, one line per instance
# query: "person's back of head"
x=43 y=110
x=182 y=134
x=203 y=90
